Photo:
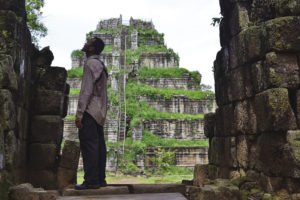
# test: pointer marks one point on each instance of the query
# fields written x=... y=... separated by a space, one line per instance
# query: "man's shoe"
x=84 y=186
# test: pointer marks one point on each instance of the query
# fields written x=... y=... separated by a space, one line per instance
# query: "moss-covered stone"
x=273 y=111
x=283 y=34
x=7 y=110
x=282 y=70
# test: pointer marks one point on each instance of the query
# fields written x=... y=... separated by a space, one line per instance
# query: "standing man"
x=91 y=114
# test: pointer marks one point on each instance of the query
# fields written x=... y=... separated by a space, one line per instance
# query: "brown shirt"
x=93 y=93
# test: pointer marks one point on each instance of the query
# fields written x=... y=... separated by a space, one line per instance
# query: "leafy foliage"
x=171 y=72
x=134 y=89
x=77 y=54
x=74 y=91
x=75 y=72
x=34 y=15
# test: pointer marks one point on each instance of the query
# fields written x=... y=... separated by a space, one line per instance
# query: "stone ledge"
x=102 y=191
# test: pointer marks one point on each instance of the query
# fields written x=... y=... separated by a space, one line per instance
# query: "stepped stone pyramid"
x=130 y=49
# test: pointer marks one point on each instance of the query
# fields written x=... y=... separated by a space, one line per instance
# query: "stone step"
x=153 y=196
x=128 y=189
x=101 y=191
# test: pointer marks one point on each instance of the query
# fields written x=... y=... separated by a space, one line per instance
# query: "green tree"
x=34 y=15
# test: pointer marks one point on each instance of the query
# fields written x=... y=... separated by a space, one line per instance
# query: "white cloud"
x=186 y=25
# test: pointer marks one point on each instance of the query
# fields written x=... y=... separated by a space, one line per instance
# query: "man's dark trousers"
x=93 y=150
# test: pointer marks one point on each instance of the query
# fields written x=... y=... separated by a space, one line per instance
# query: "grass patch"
x=74 y=91
x=75 y=72
x=117 y=178
x=151 y=140
x=135 y=90
x=172 y=72
x=70 y=118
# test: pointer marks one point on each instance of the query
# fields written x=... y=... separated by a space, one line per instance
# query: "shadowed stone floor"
x=153 y=196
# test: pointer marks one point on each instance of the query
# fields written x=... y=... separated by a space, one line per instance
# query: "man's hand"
x=78 y=123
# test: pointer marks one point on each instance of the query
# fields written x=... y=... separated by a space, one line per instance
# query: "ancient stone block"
x=42 y=156
x=49 y=102
x=276 y=157
x=219 y=122
x=273 y=111
x=246 y=47
x=236 y=85
x=66 y=177
x=228 y=120
x=19 y=192
x=287 y=8
x=70 y=155
x=23 y=122
x=8 y=24
x=7 y=110
x=248 y=82
x=2 y=150
x=10 y=150
x=253 y=41
x=46 y=129
x=46 y=179
x=282 y=70
x=53 y=78
x=222 y=91
x=283 y=34
x=8 y=78
x=239 y=18
x=200 y=175
x=259 y=77
x=270 y=184
x=262 y=10
x=242 y=151
x=222 y=152
x=292 y=185
x=13 y=5
x=221 y=189
x=244 y=118
x=209 y=125
x=236 y=51
x=221 y=64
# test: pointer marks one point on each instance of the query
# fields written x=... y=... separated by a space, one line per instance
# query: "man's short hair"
x=98 y=44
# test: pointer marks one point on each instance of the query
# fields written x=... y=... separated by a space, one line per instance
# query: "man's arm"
x=86 y=91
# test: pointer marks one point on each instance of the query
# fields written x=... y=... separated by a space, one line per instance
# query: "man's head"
x=93 y=46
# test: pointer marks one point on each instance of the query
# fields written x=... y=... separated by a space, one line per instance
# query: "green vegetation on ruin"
x=75 y=72
x=74 y=91
x=107 y=49
x=136 y=89
x=171 y=72
x=134 y=54
x=164 y=161
x=77 y=54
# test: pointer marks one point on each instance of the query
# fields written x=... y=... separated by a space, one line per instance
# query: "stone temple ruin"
x=130 y=48
x=254 y=136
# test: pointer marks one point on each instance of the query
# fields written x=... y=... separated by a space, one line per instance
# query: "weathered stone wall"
x=183 y=156
x=255 y=130
x=176 y=128
x=140 y=24
x=180 y=104
x=15 y=83
x=158 y=60
x=50 y=98
x=185 y=83
x=112 y=23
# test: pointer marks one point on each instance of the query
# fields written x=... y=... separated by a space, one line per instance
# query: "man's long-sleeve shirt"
x=93 y=93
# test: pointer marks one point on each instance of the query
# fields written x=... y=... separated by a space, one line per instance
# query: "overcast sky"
x=186 y=25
